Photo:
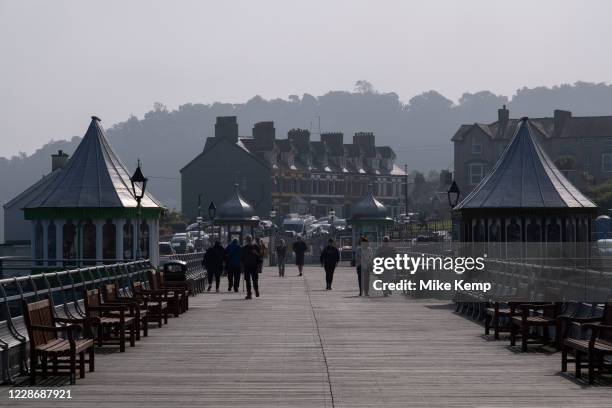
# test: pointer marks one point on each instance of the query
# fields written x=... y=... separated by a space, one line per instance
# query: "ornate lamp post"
x=272 y=236
x=212 y=212
x=453 y=194
x=139 y=185
x=199 y=221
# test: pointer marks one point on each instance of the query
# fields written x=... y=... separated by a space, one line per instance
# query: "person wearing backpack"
x=330 y=256
x=251 y=260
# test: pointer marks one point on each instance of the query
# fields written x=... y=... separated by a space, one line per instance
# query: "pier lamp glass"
x=453 y=195
x=139 y=183
x=212 y=210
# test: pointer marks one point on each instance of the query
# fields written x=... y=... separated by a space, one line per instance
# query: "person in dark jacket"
x=299 y=248
x=213 y=261
x=330 y=256
x=251 y=259
x=281 y=257
x=232 y=265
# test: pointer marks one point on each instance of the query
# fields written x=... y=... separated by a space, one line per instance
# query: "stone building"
x=581 y=147
x=292 y=175
x=84 y=211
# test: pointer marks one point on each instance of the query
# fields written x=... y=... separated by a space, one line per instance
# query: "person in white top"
x=363 y=260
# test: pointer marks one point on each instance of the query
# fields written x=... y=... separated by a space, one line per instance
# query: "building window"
x=476 y=146
x=606 y=162
x=475 y=173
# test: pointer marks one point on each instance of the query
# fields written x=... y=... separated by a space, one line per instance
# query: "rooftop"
x=525 y=177
x=94 y=177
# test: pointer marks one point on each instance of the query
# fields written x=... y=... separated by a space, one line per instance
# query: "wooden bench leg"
x=512 y=334
x=122 y=339
x=563 y=359
x=145 y=322
x=487 y=323
x=524 y=336
x=91 y=359
x=591 y=360
x=33 y=366
x=578 y=363
x=72 y=366
x=496 y=319
x=44 y=365
x=82 y=364
x=133 y=334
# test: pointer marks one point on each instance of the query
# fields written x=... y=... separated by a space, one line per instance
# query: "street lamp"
x=273 y=235
x=453 y=195
x=139 y=185
x=212 y=211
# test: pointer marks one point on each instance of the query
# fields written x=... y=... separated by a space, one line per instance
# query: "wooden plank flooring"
x=301 y=346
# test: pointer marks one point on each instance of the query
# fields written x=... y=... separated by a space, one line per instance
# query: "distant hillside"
x=418 y=130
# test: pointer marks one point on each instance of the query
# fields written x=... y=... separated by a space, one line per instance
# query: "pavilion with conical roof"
x=525 y=198
x=370 y=218
x=237 y=216
x=88 y=210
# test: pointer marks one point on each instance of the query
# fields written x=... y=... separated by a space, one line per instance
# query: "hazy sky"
x=61 y=61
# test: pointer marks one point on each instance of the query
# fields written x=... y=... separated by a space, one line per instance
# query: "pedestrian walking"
x=386 y=251
x=251 y=260
x=299 y=249
x=363 y=260
x=232 y=265
x=213 y=261
x=281 y=257
x=330 y=256
x=263 y=250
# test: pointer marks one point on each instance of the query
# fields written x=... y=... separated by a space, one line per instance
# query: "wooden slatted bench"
x=110 y=318
x=47 y=342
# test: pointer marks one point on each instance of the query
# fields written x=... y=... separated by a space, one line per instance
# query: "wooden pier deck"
x=301 y=346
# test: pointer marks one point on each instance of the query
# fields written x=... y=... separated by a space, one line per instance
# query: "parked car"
x=182 y=244
x=165 y=249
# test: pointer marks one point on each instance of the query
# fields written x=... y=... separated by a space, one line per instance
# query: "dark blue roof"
x=525 y=177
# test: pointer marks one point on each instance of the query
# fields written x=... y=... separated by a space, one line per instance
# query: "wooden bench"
x=46 y=342
x=111 y=296
x=155 y=301
x=175 y=297
x=108 y=319
x=595 y=347
x=528 y=316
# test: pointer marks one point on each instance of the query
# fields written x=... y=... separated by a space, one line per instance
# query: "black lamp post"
x=212 y=212
x=453 y=195
x=453 y=200
x=139 y=186
x=273 y=235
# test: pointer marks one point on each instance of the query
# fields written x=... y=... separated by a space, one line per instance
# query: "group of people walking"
x=236 y=259
x=247 y=260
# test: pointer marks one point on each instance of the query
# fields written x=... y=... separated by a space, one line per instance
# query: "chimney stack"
x=265 y=134
x=364 y=139
x=560 y=118
x=300 y=138
x=334 y=141
x=59 y=160
x=227 y=127
x=503 y=117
